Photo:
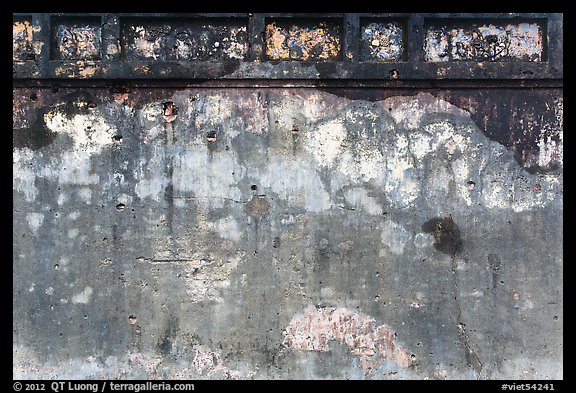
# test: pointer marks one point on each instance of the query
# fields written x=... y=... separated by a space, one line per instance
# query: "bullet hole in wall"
x=211 y=136
x=170 y=111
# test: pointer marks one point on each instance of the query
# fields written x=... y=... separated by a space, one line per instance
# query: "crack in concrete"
x=473 y=361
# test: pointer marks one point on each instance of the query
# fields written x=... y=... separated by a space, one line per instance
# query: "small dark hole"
x=211 y=136
x=253 y=187
x=295 y=128
x=91 y=104
x=33 y=96
x=393 y=74
x=120 y=206
x=117 y=138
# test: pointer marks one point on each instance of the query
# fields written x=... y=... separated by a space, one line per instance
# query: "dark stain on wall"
x=446 y=234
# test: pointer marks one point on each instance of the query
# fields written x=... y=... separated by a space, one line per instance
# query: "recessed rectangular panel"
x=303 y=39
x=382 y=40
x=474 y=40
x=22 y=39
x=76 y=38
x=166 y=39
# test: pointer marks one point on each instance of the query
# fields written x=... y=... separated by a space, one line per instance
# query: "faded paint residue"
x=22 y=41
x=34 y=221
x=382 y=41
x=186 y=41
x=512 y=42
x=82 y=69
x=84 y=296
x=209 y=364
x=325 y=141
x=310 y=41
x=88 y=129
x=82 y=41
x=394 y=237
x=359 y=199
x=314 y=328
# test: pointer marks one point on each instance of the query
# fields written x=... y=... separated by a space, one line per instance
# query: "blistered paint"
x=314 y=328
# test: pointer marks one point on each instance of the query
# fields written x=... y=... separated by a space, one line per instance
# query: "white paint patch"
x=34 y=221
x=395 y=237
x=227 y=228
x=23 y=176
x=208 y=177
x=72 y=233
x=83 y=297
x=325 y=141
x=423 y=240
x=73 y=167
x=90 y=132
x=85 y=195
x=298 y=184
x=61 y=199
x=74 y=215
x=359 y=198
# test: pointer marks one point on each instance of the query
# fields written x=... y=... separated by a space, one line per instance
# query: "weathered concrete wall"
x=281 y=233
x=285 y=232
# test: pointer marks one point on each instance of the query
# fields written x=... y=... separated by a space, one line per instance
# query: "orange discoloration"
x=21 y=40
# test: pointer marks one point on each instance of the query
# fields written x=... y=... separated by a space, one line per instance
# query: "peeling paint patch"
x=22 y=41
x=325 y=141
x=488 y=42
x=314 y=328
x=306 y=40
x=381 y=41
x=80 y=41
x=185 y=39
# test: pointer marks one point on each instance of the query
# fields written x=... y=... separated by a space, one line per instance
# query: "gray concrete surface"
x=281 y=233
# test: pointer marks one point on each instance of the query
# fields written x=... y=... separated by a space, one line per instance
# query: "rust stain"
x=315 y=41
x=314 y=328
